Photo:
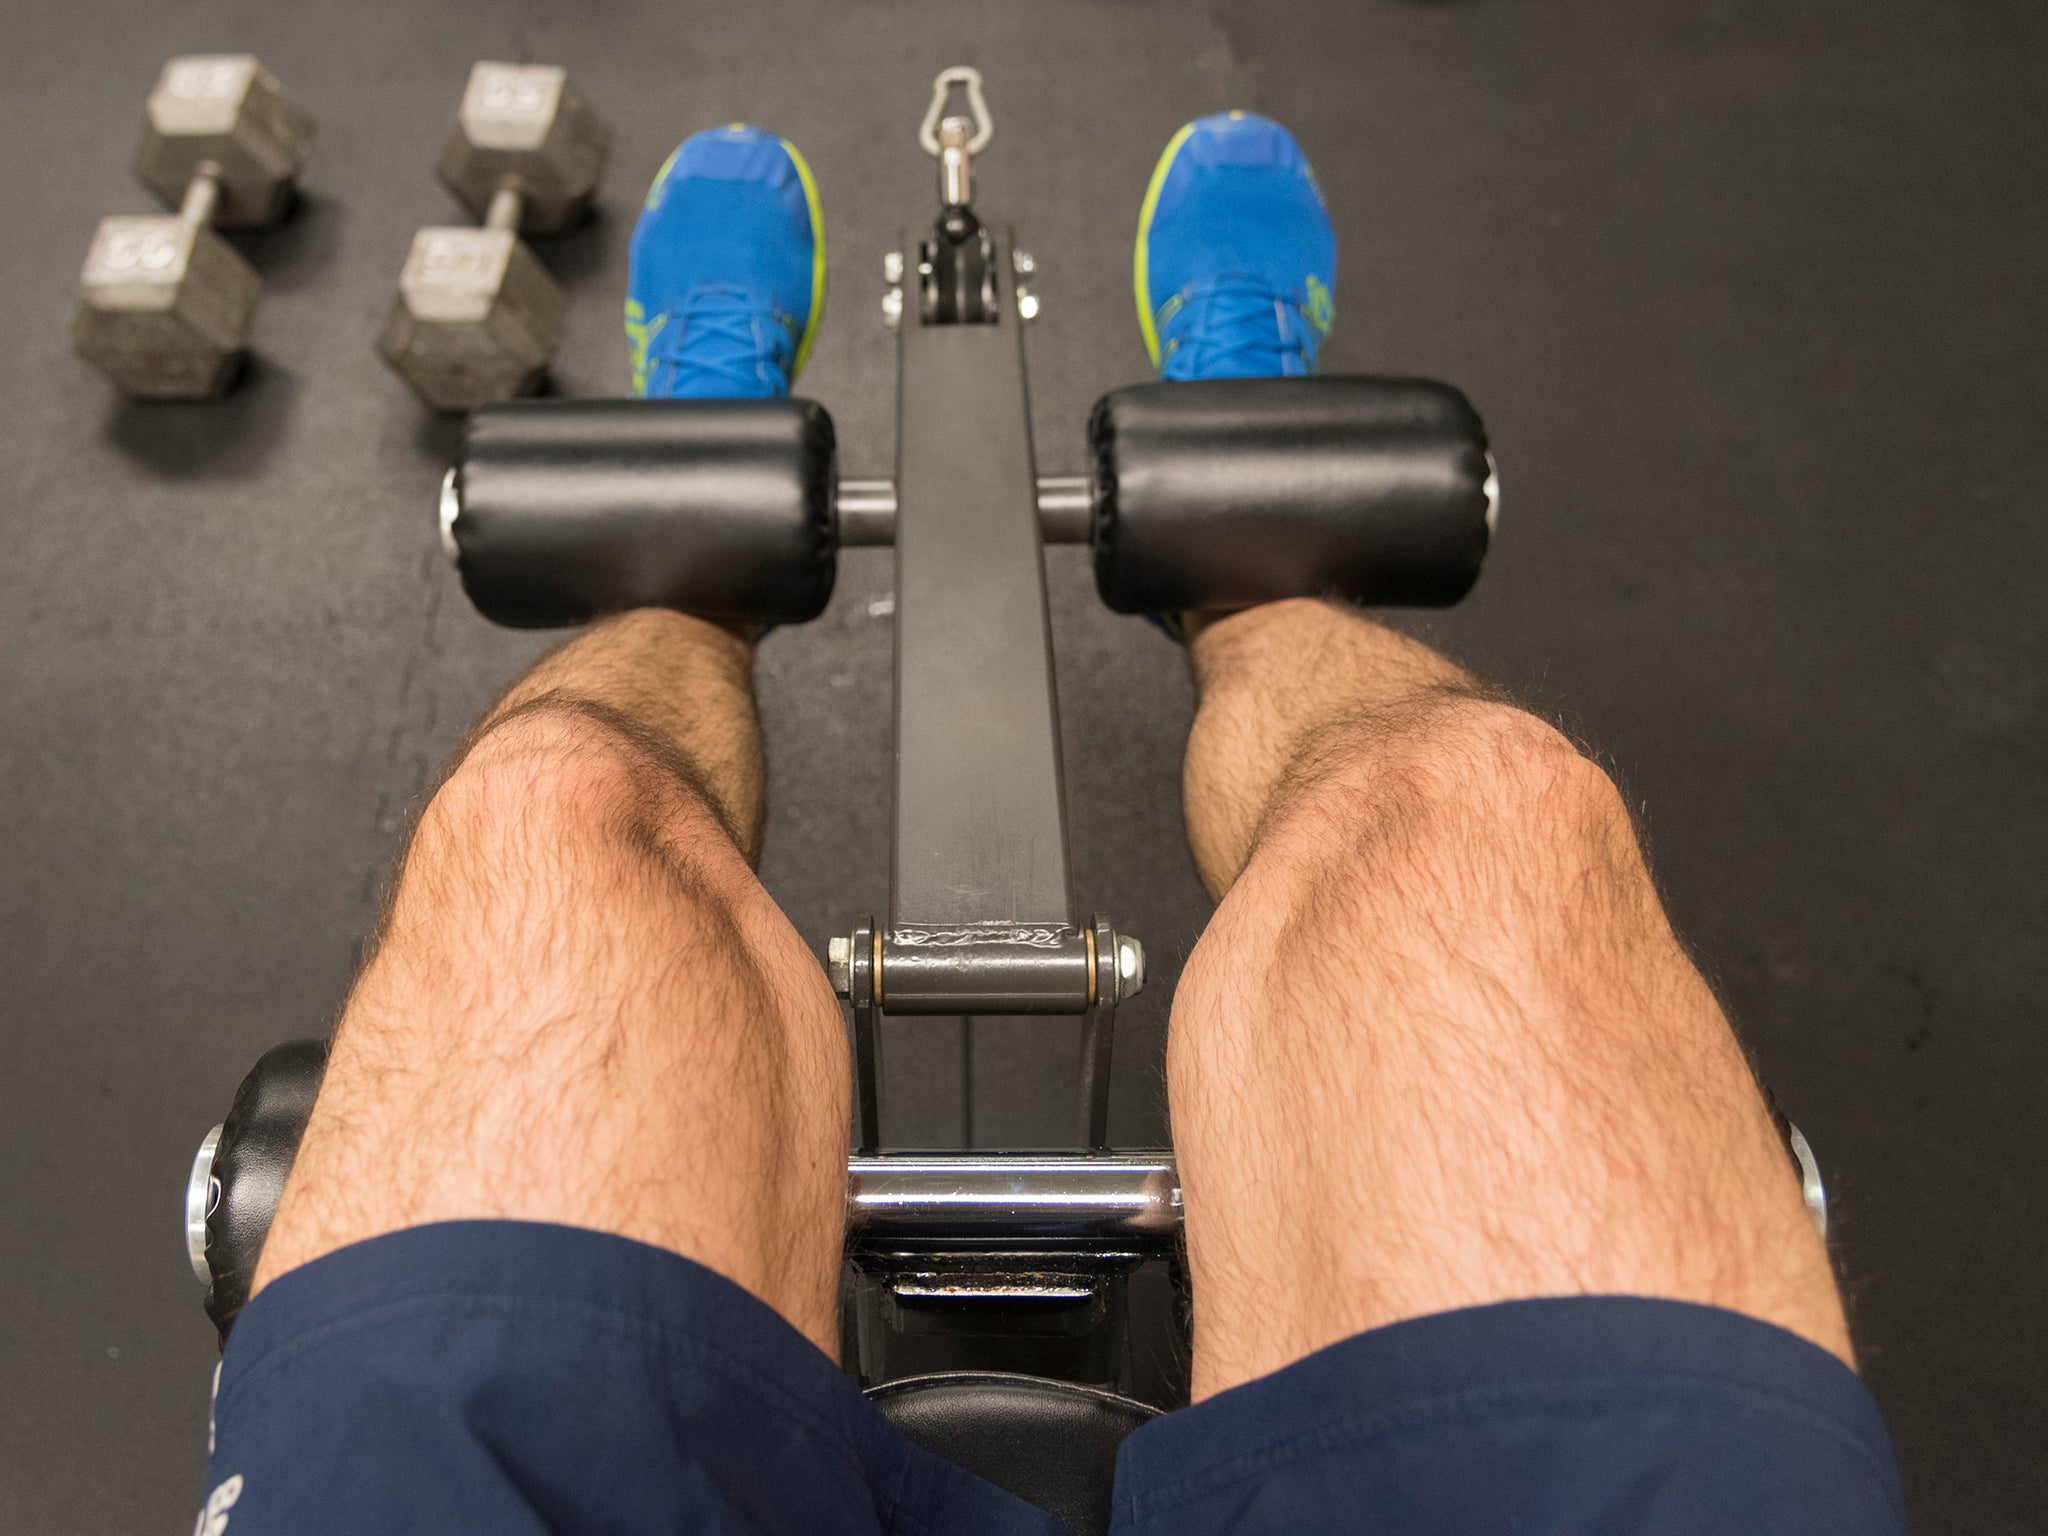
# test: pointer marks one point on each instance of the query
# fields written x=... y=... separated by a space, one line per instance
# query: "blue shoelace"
x=724 y=333
x=1237 y=327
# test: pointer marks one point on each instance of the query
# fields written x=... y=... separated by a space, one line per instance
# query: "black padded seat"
x=1049 y=1442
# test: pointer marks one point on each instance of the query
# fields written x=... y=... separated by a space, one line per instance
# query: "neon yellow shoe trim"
x=803 y=347
x=660 y=182
x=1321 y=309
x=640 y=334
x=1142 y=265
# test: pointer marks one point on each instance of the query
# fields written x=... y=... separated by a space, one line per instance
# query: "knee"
x=558 y=832
x=564 y=861
x=560 y=774
x=1455 y=837
x=1449 y=780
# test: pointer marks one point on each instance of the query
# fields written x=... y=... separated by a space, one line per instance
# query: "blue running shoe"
x=1237 y=262
x=726 y=284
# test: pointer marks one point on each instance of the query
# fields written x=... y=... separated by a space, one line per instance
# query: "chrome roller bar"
x=867 y=511
x=904 y=1202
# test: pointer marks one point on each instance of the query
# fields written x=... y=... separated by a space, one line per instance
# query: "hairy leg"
x=1439 y=1045
x=583 y=1007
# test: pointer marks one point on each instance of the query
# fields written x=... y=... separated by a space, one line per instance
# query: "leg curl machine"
x=1010 y=1268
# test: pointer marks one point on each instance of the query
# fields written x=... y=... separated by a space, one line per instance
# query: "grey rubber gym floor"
x=1750 y=292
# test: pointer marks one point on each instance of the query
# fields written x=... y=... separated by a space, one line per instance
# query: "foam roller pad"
x=571 y=509
x=1228 y=492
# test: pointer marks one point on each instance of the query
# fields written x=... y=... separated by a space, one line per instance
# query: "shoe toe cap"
x=738 y=152
x=1242 y=139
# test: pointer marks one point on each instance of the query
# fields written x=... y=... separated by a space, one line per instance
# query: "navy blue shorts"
x=512 y=1378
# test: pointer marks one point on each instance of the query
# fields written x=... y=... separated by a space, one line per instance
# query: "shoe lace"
x=1237 y=327
x=721 y=332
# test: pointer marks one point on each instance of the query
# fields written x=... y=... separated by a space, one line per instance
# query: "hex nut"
x=1130 y=967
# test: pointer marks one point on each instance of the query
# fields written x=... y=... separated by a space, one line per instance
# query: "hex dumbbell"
x=478 y=317
x=164 y=303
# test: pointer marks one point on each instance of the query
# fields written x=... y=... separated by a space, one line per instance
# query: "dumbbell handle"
x=508 y=206
x=202 y=194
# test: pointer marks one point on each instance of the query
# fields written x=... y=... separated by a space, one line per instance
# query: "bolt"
x=202 y=1194
x=1023 y=262
x=1130 y=967
x=892 y=268
x=839 y=965
x=1027 y=304
x=451 y=513
x=892 y=308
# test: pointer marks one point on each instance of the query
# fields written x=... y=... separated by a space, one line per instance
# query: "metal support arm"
x=867 y=511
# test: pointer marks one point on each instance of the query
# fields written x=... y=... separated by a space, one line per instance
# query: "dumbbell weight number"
x=457 y=256
x=517 y=91
x=204 y=79
x=136 y=250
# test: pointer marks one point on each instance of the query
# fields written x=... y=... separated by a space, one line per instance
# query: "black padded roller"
x=258 y=1144
x=569 y=509
x=1226 y=492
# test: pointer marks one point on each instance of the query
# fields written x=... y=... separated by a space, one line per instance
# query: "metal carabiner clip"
x=977 y=106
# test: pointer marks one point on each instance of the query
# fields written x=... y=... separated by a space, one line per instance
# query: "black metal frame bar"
x=1016 y=1260
x=980 y=810
x=982 y=913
